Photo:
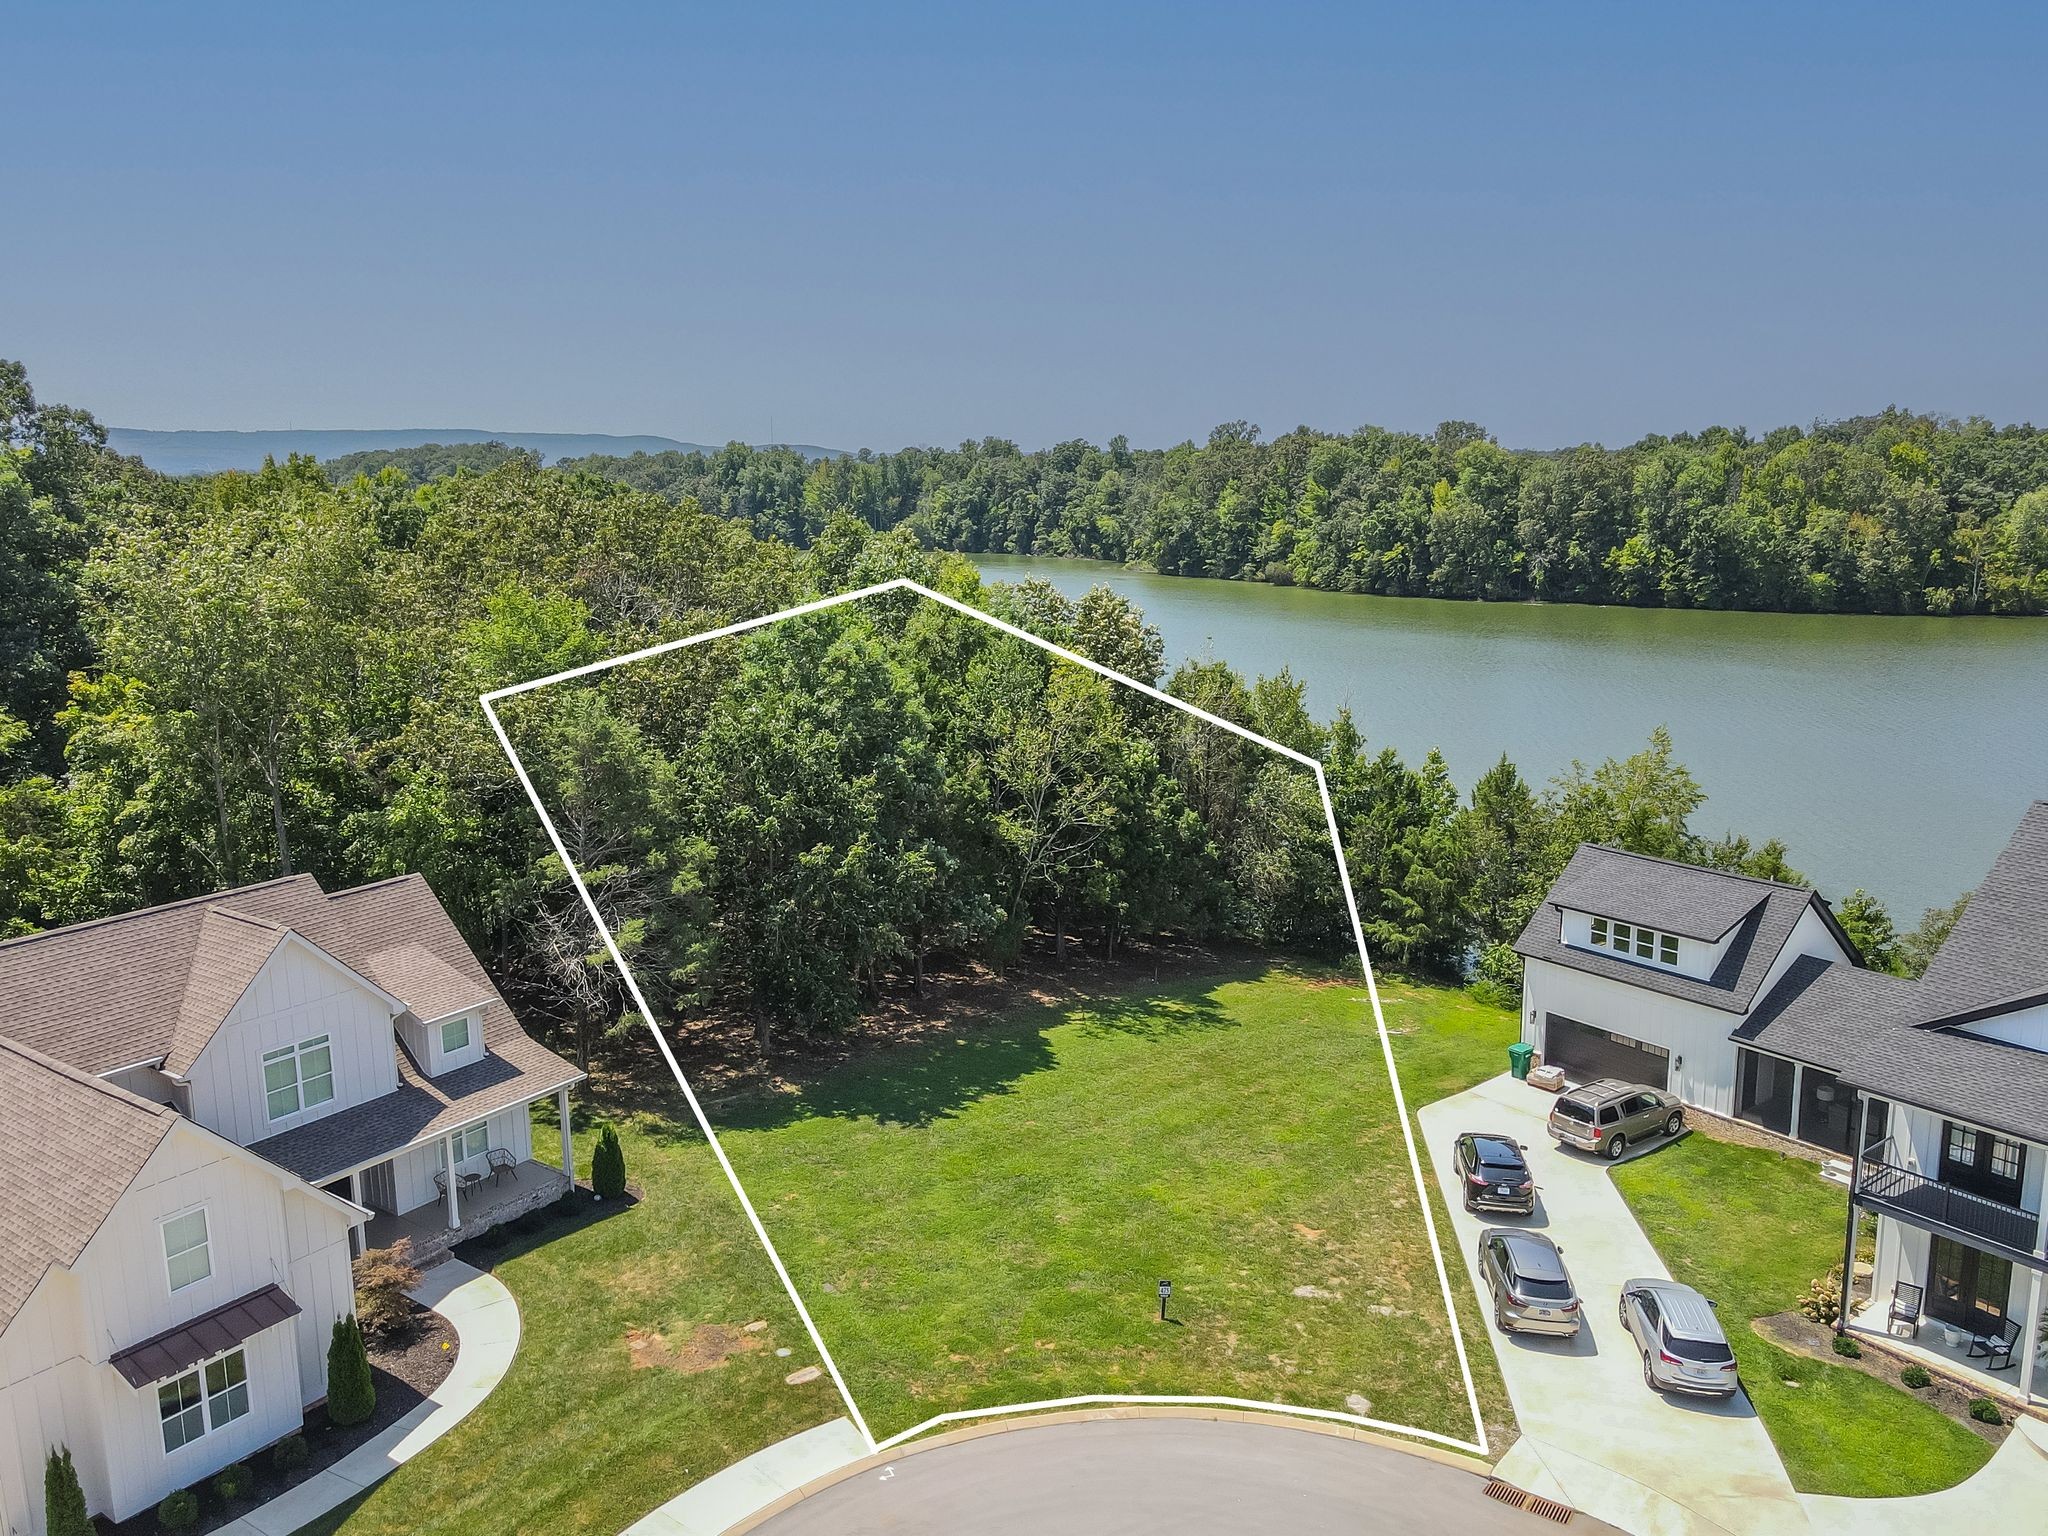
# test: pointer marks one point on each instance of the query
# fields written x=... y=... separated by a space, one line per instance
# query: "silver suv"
x=1679 y=1337
x=1610 y=1116
x=1532 y=1293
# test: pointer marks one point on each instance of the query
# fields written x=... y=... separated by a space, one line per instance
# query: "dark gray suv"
x=1610 y=1116
x=1494 y=1173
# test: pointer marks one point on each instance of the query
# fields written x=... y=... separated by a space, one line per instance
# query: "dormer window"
x=1635 y=941
x=455 y=1035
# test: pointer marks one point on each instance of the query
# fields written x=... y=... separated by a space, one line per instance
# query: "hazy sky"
x=875 y=226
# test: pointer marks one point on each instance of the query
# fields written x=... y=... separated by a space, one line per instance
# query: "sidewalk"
x=747 y=1487
x=486 y=1321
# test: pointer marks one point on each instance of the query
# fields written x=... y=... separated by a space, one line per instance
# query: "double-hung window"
x=297 y=1077
x=188 y=1258
x=203 y=1400
x=454 y=1035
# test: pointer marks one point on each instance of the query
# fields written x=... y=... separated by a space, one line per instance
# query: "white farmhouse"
x=1746 y=999
x=205 y=1108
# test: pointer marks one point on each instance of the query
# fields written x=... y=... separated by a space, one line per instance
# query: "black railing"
x=1886 y=1183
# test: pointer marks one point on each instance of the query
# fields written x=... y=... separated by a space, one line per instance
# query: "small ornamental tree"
x=383 y=1276
x=63 y=1499
x=608 y=1166
x=351 y=1391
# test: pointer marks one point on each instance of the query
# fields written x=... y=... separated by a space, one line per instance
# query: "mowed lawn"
x=982 y=1219
x=1752 y=1229
x=587 y=1433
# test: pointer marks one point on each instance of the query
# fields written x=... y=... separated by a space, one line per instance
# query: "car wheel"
x=1616 y=1145
x=1675 y=1124
x=1649 y=1376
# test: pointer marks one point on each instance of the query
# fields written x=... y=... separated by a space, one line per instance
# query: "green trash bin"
x=1519 y=1055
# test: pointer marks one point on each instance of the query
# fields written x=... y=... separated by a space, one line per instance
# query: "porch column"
x=1855 y=1178
x=454 y=1194
x=359 y=1236
x=2030 y=1331
x=568 y=1141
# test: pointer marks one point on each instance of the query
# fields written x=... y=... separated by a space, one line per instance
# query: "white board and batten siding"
x=298 y=995
x=55 y=1384
x=423 y=1039
x=2023 y=1026
x=1698 y=1034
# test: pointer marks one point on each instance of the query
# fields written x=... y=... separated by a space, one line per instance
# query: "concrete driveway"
x=1593 y=1435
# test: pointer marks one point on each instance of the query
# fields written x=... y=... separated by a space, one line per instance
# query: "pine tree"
x=608 y=1166
x=351 y=1391
x=63 y=1499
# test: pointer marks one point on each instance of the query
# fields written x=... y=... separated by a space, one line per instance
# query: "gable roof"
x=155 y=985
x=1867 y=1029
x=1997 y=953
x=106 y=1135
x=1756 y=916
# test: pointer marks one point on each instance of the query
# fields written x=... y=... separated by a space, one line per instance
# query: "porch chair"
x=503 y=1162
x=1996 y=1346
x=1906 y=1300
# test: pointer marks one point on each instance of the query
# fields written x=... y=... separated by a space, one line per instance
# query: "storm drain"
x=1522 y=1498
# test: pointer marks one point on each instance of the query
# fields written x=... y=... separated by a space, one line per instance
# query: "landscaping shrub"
x=178 y=1510
x=383 y=1276
x=1823 y=1299
x=608 y=1166
x=63 y=1499
x=1847 y=1347
x=231 y=1482
x=1985 y=1411
x=1915 y=1376
x=289 y=1453
x=1497 y=978
x=351 y=1390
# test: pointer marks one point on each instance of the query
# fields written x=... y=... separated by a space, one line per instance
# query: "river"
x=1892 y=753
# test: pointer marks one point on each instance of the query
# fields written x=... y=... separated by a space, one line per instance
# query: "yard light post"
x=1165 y=1295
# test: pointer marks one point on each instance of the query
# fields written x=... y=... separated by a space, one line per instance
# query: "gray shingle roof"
x=1866 y=1028
x=1685 y=899
x=1998 y=949
x=1671 y=894
x=104 y=1136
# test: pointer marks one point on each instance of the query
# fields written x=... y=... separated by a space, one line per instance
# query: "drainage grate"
x=1522 y=1498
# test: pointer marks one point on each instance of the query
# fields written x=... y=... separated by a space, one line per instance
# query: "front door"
x=1965 y=1285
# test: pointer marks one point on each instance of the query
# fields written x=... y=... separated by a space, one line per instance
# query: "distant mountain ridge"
x=205 y=453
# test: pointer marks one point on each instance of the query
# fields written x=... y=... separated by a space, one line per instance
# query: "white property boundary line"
x=1478 y=1444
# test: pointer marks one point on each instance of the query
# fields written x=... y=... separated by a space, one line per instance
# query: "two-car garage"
x=1586 y=1053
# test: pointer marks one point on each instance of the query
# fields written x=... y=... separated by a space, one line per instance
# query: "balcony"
x=1887 y=1185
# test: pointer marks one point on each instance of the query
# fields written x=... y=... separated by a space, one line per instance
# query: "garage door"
x=1586 y=1053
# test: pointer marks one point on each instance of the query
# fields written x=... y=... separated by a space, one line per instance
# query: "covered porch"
x=1944 y=1348
x=500 y=1197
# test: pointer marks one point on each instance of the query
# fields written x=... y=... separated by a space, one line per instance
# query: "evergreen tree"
x=608 y=1165
x=351 y=1389
x=64 y=1511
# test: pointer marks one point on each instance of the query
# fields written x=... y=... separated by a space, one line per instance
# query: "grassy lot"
x=578 y=1437
x=1752 y=1229
x=1027 y=1181
x=982 y=1218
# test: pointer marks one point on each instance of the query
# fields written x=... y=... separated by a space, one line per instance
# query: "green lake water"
x=1892 y=753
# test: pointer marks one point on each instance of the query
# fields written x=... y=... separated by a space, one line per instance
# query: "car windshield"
x=1543 y=1290
x=1571 y=1109
x=1706 y=1351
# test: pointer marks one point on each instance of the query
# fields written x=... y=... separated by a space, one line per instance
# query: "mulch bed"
x=1803 y=1336
x=406 y=1373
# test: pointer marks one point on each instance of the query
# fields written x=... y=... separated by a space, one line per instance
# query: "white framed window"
x=2007 y=1158
x=1622 y=935
x=203 y=1400
x=454 y=1035
x=1667 y=948
x=472 y=1143
x=297 y=1077
x=1600 y=932
x=188 y=1257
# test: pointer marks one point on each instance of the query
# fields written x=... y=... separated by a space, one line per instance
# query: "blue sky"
x=880 y=225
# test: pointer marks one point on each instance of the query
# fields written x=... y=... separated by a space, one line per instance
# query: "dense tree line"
x=217 y=680
x=1893 y=513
